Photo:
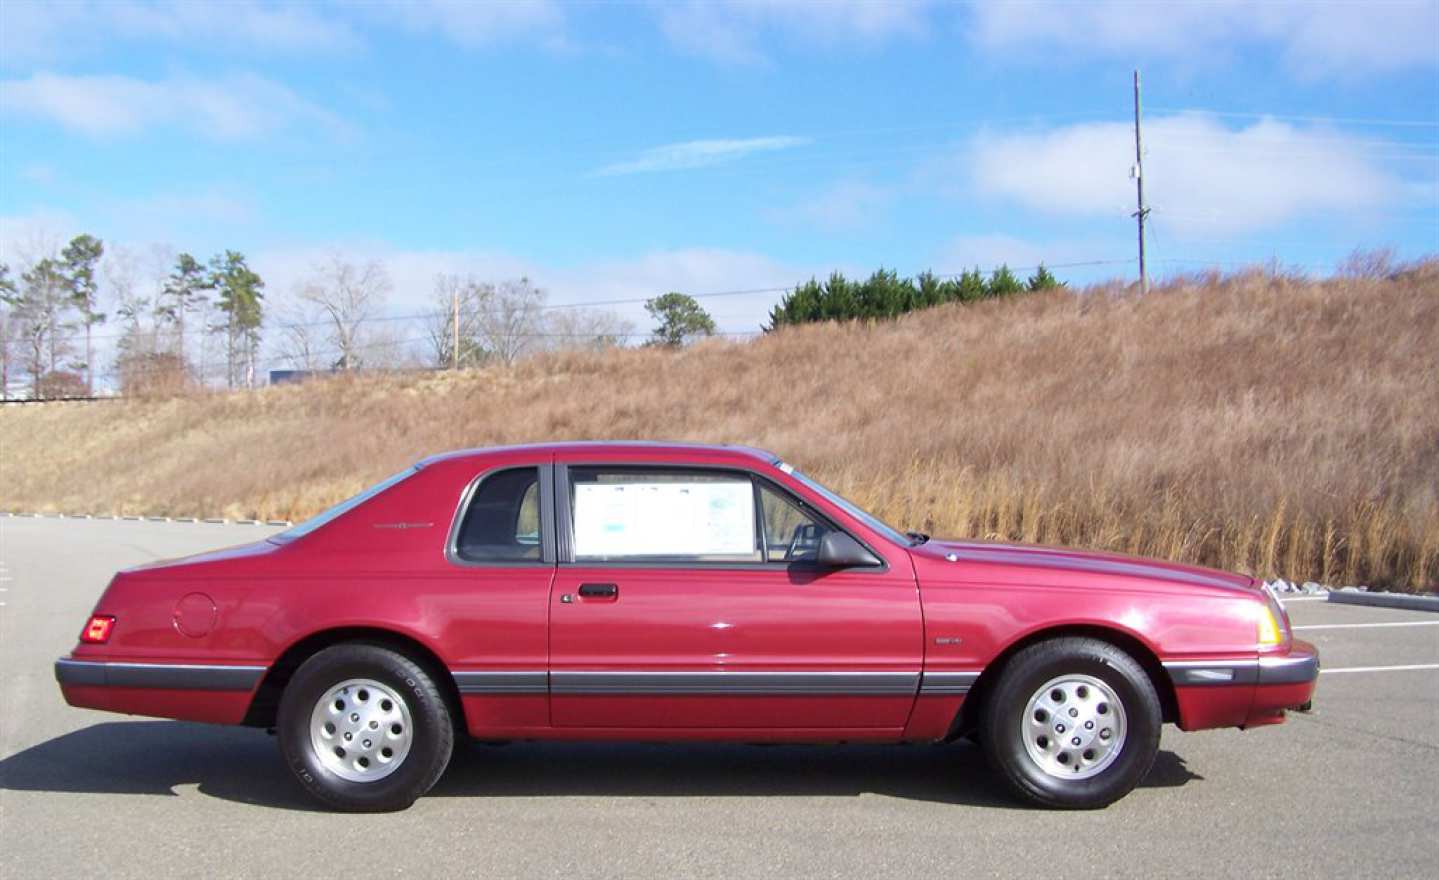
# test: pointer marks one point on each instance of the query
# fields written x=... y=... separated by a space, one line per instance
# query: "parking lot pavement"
x=1346 y=791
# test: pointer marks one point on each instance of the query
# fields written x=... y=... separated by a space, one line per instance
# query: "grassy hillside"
x=1271 y=425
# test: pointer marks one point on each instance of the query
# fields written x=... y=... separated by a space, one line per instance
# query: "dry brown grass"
x=1270 y=425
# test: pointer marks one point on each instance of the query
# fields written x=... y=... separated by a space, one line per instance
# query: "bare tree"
x=509 y=319
x=591 y=329
x=462 y=296
x=348 y=296
x=302 y=335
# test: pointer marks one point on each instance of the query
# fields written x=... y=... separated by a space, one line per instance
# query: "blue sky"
x=616 y=150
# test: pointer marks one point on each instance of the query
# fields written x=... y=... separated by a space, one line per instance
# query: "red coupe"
x=676 y=592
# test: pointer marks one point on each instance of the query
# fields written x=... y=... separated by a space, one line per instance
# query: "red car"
x=676 y=592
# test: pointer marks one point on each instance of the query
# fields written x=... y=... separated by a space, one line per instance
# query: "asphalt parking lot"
x=1347 y=791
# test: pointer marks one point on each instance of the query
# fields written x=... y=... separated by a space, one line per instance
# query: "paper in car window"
x=664 y=519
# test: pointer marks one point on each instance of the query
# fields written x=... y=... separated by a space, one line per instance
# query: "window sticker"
x=664 y=519
x=786 y=467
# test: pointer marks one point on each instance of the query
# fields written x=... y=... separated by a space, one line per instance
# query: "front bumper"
x=1285 y=682
x=1244 y=692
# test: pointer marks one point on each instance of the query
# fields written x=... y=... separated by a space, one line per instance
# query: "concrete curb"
x=1386 y=600
x=10 y=514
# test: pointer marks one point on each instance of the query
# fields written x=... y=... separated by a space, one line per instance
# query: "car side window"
x=502 y=522
x=791 y=533
x=663 y=515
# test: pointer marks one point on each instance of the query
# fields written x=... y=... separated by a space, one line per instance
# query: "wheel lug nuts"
x=1075 y=740
x=1089 y=725
x=349 y=736
x=366 y=744
x=1059 y=728
x=1073 y=713
x=374 y=725
x=354 y=716
x=1104 y=734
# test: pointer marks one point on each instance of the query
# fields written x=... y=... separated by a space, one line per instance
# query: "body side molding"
x=168 y=676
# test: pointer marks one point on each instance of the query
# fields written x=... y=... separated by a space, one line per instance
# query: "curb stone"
x=11 y=514
x=1386 y=600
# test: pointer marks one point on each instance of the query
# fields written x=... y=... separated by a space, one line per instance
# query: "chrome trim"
x=575 y=683
x=171 y=676
x=525 y=682
x=938 y=683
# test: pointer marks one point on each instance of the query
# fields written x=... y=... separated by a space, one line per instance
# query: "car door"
x=500 y=564
x=688 y=597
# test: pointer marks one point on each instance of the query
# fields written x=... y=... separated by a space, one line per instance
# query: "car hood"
x=1080 y=562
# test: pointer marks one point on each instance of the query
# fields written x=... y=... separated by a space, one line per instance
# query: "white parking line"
x=1367 y=625
x=1381 y=668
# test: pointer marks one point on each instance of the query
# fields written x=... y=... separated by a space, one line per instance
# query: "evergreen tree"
x=240 y=298
x=183 y=293
x=79 y=260
x=1003 y=283
x=680 y=318
x=1043 y=279
x=9 y=295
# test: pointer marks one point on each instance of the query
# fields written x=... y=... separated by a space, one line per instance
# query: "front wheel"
x=364 y=728
x=1073 y=723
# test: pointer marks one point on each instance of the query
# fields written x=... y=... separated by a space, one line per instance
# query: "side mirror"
x=838 y=550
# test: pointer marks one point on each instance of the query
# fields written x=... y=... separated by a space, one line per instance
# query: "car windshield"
x=302 y=529
x=848 y=506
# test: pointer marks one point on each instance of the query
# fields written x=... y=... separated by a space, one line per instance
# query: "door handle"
x=599 y=591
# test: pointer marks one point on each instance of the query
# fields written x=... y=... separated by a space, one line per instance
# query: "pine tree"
x=79 y=260
x=240 y=298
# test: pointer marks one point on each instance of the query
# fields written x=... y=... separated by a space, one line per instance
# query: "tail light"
x=97 y=631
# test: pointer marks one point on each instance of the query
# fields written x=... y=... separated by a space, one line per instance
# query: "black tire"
x=431 y=739
x=1002 y=728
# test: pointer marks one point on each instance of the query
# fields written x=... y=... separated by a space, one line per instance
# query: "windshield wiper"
x=917 y=537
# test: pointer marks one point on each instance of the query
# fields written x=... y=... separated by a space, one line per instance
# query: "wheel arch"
x=264 y=705
x=972 y=709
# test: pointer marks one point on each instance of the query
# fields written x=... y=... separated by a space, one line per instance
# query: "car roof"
x=657 y=448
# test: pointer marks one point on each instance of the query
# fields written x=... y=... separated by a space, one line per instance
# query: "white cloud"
x=229 y=108
x=1200 y=176
x=1314 y=39
x=844 y=206
x=32 y=31
x=700 y=154
x=733 y=32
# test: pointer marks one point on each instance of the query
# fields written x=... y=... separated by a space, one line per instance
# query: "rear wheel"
x=364 y=728
x=1072 y=723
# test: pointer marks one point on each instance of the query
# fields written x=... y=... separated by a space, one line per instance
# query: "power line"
x=1340 y=120
x=435 y=313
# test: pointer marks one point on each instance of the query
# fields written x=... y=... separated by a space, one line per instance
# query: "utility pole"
x=455 y=322
x=1139 y=187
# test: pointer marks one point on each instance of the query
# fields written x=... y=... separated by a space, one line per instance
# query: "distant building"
x=284 y=377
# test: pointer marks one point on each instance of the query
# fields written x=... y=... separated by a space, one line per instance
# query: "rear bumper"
x=1244 y=692
x=194 y=692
